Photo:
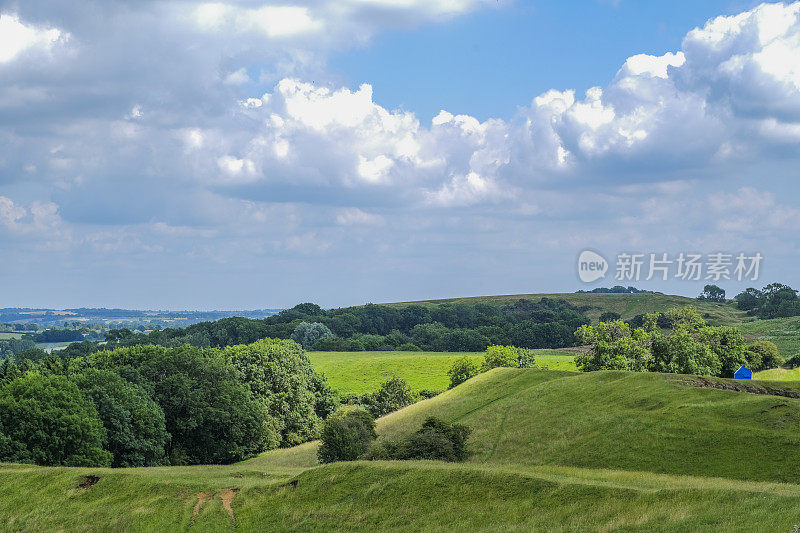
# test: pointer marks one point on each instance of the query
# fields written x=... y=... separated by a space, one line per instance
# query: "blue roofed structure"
x=743 y=373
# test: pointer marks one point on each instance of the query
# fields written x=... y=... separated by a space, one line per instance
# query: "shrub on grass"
x=462 y=370
x=436 y=440
x=391 y=396
x=507 y=356
x=409 y=347
x=793 y=361
x=345 y=437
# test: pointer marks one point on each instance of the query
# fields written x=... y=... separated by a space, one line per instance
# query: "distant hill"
x=120 y=317
x=626 y=305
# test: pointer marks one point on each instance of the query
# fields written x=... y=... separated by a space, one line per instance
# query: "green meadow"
x=360 y=372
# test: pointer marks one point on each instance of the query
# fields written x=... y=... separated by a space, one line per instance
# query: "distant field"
x=778 y=374
x=10 y=335
x=359 y=372
x=784 y=332
x=627 y=305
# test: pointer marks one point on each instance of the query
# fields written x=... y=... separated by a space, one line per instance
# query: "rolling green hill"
x=652 y=422
x=551 y=450
x=627 y=305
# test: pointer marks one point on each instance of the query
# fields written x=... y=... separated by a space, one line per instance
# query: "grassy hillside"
x=615 y=420
x=620 y=420
x=627 y=305
x=551 y=450
x=360 y=372
x=784 y=332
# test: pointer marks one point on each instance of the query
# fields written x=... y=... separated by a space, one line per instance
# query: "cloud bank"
x=140 y=131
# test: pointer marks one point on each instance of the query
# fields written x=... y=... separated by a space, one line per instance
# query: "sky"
x=247 y=154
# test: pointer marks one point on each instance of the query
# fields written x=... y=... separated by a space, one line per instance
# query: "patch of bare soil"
x=202 y=498
x=88 y=482
x=227 y=497
x=739 y=386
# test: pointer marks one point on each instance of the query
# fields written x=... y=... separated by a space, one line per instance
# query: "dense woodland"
x=547 y=323
x=151 y=405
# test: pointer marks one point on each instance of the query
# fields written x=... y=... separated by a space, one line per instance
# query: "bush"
x=763 y=355
x=436 y=440
x=409 y=347
x=391 y=396
x=134 y=423
x=507 y=356
x=346 y=437
x=46 y=420
x=331 y=344
x=793 y=361
x=462 y=370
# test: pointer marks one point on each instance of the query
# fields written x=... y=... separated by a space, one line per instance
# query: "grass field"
x=627 y=305
x=359 y=372
x=551 y=451
x=4 y=335
x=778 y=374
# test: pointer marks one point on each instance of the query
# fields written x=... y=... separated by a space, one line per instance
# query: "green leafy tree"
x=680 y=353
x=46 y=420
x=462 y=370
x=507 y=356
x=308 y=333
x=712 y=293
x=346 y=437
x=280 y=374
x=392 y=395
x=763 y=355
x=209 y=410
x=728 y=345
x=134 y=423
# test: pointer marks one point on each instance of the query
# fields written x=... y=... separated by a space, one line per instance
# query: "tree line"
x=688 y=346
x=776 y=300
x=547 y=323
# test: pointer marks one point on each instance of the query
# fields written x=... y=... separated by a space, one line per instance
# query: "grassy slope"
x=359 y=372
x=627 y=305
x=552 y=450
x=389 y=496
x=784 y=332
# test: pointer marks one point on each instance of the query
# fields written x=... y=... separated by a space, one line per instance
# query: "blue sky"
x=252 y=154
x=488 y=62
